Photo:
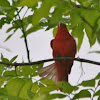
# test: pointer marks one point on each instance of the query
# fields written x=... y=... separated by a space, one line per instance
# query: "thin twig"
x=23 y=31
x=25 y=13
x=85 y=7
x=26 y=44
x=94 y=91
x=81 y=6
x=18 y=11
x=82 y=72
x=89 y=24
x=52 y=59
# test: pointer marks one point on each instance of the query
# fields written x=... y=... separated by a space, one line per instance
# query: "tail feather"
x=41 y=70
x=54 y=78
x=51 y=74
x=48 y=72
x=44 y=73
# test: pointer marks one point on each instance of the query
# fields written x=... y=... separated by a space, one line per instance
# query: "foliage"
x=16 y=82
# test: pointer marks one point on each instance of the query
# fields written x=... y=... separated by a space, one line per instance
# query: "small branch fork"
x=53 y=59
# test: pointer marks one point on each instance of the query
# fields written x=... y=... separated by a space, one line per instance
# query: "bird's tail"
x=48 y=72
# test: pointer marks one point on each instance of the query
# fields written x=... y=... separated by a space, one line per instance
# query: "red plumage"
x=63 y=45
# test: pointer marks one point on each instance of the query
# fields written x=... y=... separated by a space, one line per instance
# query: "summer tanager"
x=63 y=45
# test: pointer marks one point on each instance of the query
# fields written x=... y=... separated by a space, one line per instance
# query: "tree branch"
x=52 y=59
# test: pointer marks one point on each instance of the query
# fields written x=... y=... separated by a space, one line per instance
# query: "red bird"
x=63 y=45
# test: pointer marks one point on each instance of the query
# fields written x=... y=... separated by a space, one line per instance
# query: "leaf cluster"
x=80 y=18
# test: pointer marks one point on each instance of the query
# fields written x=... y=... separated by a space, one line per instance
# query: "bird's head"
x=61 y=25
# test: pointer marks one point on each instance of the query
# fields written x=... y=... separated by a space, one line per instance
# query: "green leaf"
x=41 y=85
x=23 y=93
x=14 y=98
x=2 y=22
x=77 y=32
x=4 y=5
x=14 y=86
x=86 y=2
x=29 y=3
x=2 y=80
x=91 y=20
x=99 y=98
x=13 y=59
x=28 y=70
x=41 y=97
x=2 y=69
x=98 y=39
x=3 y=92
x=30 y=93
x=4 y=59
x=43 y=11
x=9 y=73
x=66 y=87
x=99 y=83
x=98 y=76
x=92 y=39
x=24 y=71
x=96 y=4
x=47 y=89
x=15 y=3
x=56 y=95
x=26 y=21
x=11 y=12
x=91 y=16
x=60 y=9
x=54 y=32
x=8 y=37
x=90 y=83
x=97 y=93
x=75 y=19
x=98 y=28
x=9 y=29
x=17 y=24
x=32 y=29
x=35 y=87
x=48 y=82
x=82 y=94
